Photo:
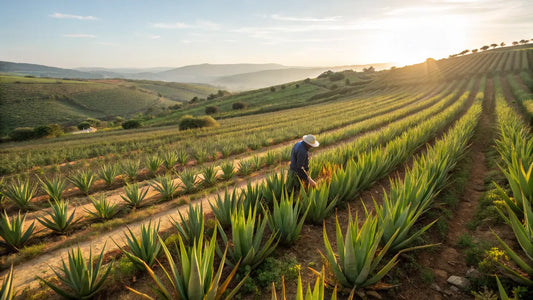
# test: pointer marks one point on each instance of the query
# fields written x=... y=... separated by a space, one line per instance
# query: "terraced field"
x=390 y=151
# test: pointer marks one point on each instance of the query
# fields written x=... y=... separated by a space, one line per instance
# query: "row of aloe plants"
x=130 y=169
x=522 y=95
x=229 y=136
x=515 y=146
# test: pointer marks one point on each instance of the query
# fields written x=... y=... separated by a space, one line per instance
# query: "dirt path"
x=449 y=260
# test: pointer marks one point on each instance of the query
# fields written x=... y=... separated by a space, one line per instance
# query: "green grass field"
x=29 y=102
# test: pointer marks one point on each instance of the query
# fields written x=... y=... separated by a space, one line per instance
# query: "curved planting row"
x=24 y=157
x=271 y=185
x=130 y=170
x=521 y=93
x=515 y=146
x=359 y=262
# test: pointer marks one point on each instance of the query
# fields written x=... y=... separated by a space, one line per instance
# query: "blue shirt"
x=299 y=159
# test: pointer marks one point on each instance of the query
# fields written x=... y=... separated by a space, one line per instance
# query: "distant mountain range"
x=235 y=77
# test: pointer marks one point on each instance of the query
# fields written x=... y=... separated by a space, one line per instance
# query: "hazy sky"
x=138 y=33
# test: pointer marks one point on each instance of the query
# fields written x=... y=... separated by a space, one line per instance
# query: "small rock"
x=436 y=287
x=473 y=273
x=440 y=275
x=454 y=289
x=448 y=292
x=459 y=282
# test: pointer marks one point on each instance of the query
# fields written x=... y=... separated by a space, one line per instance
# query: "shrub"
x=336 y=76
x=84 y=125
x=272 y=89
x=238 y=105
x=190 y=122
x=129 y=124
x=211 y=110
x=22 y=134
x=42 y=131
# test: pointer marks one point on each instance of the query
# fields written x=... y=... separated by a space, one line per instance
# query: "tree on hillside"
x=515 y=43
x=502 y=44
x=474 y=50
x=523 y=42
x=494 y=45
x=484 y=48
x=84 y=125
x=369 y=69
x=464 y=52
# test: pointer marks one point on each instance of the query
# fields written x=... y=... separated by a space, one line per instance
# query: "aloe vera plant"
x=131 y=168
x=58 y=219
x=103 y=208
x=246 y=246
x=523 y=231
x=188 y=179
x=245 y=167
x=317 y=293
x=108 y=173
x=356 y=264
x=153 y=163
x=170 y=159
x=165 y=186
x=228 y=170
x=271 y=158
x=7 y=291
x=407 y=201
x=134 y=195
x=287 y=218
x=200 y=156
x=194 y=277
x=81 y=278
x=209 y=175
x=53 y=187
x=191 y=227
x=225 y=206
x=257 y=163
x=183 y=158
x=146 y=248
x=12 y=232
x=20 y=193
x=83 y=180
x=318 y=202
x=274 y=187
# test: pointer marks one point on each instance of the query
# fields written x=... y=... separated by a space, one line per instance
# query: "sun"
x=405 y=41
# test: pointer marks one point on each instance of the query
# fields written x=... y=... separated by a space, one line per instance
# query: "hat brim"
x=316 y=144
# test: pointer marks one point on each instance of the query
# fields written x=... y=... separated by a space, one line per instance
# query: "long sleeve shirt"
x=299 y=159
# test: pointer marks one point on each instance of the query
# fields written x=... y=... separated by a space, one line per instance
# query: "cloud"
x=176 y=25
x=79 y=35
x=68 y=16
x=207 y=25
x=200 y=24
x=300 y=19
x=155 y=37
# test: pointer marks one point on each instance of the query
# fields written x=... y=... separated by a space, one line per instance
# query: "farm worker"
x=300 y=163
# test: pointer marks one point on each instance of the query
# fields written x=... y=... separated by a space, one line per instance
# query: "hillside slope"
x=38 y=101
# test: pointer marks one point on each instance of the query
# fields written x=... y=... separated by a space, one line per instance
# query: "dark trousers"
x=294 y=182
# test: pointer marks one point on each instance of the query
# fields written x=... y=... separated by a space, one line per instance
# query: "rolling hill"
x=38 y=101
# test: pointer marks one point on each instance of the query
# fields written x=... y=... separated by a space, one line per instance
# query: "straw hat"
x=311 y=140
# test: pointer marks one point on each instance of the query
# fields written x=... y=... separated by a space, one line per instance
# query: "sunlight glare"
x=406 y=41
